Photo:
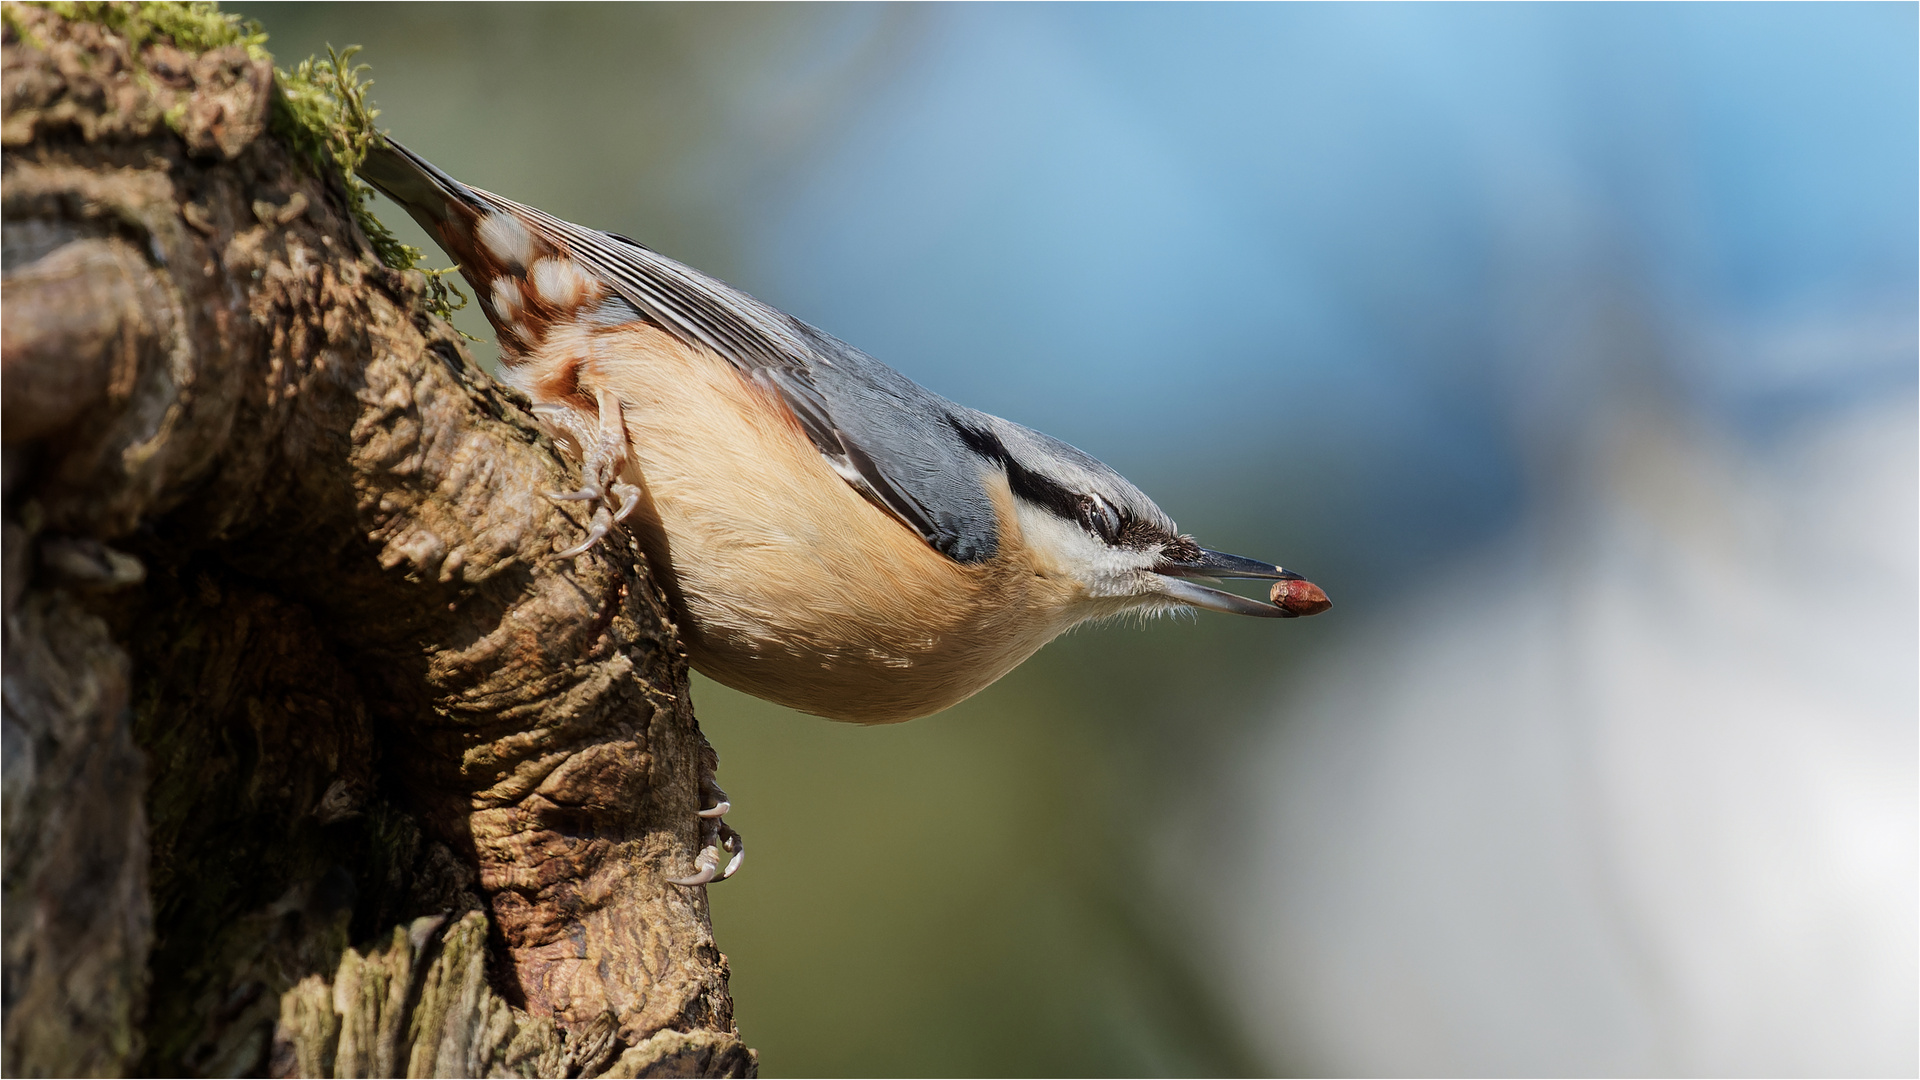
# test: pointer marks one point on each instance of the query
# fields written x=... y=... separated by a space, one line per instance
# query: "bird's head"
x=1081 y=520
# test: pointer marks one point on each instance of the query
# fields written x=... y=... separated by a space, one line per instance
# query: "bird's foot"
x=716 y=836
x=603 y=519
x=601 y=486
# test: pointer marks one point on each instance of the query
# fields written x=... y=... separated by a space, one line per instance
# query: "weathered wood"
x=289 y=661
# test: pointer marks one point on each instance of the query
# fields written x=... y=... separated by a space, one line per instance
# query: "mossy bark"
x=316 y=759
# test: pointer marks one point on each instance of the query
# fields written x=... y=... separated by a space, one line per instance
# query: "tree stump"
x=317 y=762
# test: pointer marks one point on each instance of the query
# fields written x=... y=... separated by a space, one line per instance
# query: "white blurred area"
x=1634 y=794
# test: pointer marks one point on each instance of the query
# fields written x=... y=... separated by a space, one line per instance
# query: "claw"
x=731 y=841
x=705 y=865
x=629 y=498
x=716 y=835
x=605 y=454
x=602 y=524
x=719 y=836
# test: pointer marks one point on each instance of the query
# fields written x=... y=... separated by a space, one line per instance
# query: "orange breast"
x=789 y=584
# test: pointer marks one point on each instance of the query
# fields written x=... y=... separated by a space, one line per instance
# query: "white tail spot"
x=507 y=239
x=561 y=283
x=506 y=298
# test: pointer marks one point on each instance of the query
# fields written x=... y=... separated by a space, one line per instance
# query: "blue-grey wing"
x=897 y=443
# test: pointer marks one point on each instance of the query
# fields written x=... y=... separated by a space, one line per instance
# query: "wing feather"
x=764 y=343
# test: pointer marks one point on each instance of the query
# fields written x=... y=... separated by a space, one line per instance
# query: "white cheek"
x=1064 y=549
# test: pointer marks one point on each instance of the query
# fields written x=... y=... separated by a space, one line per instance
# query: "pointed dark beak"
x=1219 y=564
x=1293 y=595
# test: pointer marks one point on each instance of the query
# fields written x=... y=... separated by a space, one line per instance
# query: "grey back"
x=921 y=457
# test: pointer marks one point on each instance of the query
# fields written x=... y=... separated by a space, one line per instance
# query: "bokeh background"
x=1571 y=348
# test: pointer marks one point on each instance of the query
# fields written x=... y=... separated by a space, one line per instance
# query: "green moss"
x=191 y=25
x=324 y=115
x=322 y=112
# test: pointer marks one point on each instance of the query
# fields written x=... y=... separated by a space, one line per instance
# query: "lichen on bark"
x=316 y=759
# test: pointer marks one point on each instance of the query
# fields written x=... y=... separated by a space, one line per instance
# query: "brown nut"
x=1300 y=598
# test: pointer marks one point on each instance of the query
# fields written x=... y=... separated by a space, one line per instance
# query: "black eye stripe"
x=1112 y=524
x=1029 y=485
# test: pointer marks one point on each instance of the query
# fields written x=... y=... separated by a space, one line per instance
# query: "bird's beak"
x=1292 y=594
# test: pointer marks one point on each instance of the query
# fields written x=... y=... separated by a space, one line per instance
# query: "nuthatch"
x=829 y=535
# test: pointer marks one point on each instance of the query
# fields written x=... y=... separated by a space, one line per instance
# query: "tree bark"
x=316 y=760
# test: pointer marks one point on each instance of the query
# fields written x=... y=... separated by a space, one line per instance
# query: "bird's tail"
x=431 y=196
x=449 y=210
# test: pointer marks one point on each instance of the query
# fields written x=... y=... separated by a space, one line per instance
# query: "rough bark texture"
x=289 y=664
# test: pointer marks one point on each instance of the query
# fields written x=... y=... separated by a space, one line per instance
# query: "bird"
x=829 y=535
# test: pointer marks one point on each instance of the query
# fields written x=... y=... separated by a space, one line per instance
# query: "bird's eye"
x=1100 y=517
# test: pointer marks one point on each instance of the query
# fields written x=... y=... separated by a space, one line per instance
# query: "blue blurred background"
x=1571 y=348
